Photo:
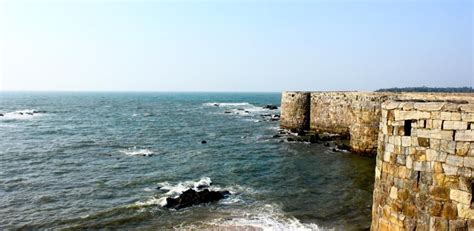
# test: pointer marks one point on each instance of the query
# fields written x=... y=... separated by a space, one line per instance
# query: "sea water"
x=96 y=160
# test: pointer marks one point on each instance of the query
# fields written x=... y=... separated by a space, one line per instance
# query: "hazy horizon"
x=234 y=46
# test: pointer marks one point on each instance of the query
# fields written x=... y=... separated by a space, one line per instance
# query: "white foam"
x=266 y=217
x=137 y=152
x=20 y=115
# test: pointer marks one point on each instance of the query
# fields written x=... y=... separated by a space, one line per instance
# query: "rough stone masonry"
x=424 y=168
x=424 y=177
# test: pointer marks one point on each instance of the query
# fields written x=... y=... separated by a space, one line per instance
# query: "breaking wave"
x=137 y=152
x=21 y=114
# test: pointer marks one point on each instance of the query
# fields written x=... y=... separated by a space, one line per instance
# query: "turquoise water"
x=95 y=160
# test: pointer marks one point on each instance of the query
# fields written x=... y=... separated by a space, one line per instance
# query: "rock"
x=203 y=142
x=21 y=113
x=270 y=107
x=289 y=139
x=216 y=105
x=247 y=112
x=191 y=197
x=1 y=114
x=327 y=144
x=29 y=113
x=227 y=112
x=275 y=118
x=240 y=109
x=276 y=136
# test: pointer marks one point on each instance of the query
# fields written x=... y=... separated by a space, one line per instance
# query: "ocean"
x=91 y=160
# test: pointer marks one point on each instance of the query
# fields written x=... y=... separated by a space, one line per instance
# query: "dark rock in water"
x=327 y=144
x=191 y=197
x=276 y=136
x=247 y=112
x=240 y=109
x=40 y=111
x=216 y=105
x=289 y=139
x=203 y=142
x=270 y=107
x=29 y=113
x=227 y=112
x=21 y=113
x=265 y=115
x=1 y=114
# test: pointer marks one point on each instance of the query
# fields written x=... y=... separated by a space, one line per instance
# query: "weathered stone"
x=462 y=148
x=469 y=161
x=448 y=146
x=450 y=116
x=455 y=160
x=454 y=125
x=457 y=225
x=460 y=196
x=467 y=108
x=450 y=170
x=438 y=223
x=450 y=211
x=469 y=117
x=393 y=193
x=431 y=106
x=464 y=135
x=440 y=193
x=464 y=211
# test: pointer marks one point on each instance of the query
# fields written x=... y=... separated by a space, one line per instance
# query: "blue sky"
x=235 y=45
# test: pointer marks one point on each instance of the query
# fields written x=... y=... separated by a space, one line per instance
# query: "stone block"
x=450 y=116
x=450 y=211
x=469 y=161
x=406 y=141
x=462 y=148
x=467 y=108
x=430 y=106
x=423 y=133
x=393 y=193
x=448 y=146
x=460 y=196
x=465 y=211
x=435 y=144
x=468 y=117
x=409 y=162
x=437 y=223
x=432 y=155
x=464 y=135
x=436 y=124
x=455 y=160
x=446 y=134
x=450 y=170
x=457 y=225
x=454 y=125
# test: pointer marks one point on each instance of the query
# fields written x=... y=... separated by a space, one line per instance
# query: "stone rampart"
x=355 y=115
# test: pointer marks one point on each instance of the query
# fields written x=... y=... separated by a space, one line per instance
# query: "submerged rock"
x=203 y=142
x=227 y=112
x=191 y=197
x=270 y=107
x=1 y=114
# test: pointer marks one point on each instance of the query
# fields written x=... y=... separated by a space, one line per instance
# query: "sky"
x=245 y=45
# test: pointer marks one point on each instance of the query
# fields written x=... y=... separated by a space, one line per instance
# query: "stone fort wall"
x=352 y=114
x=424 y=176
